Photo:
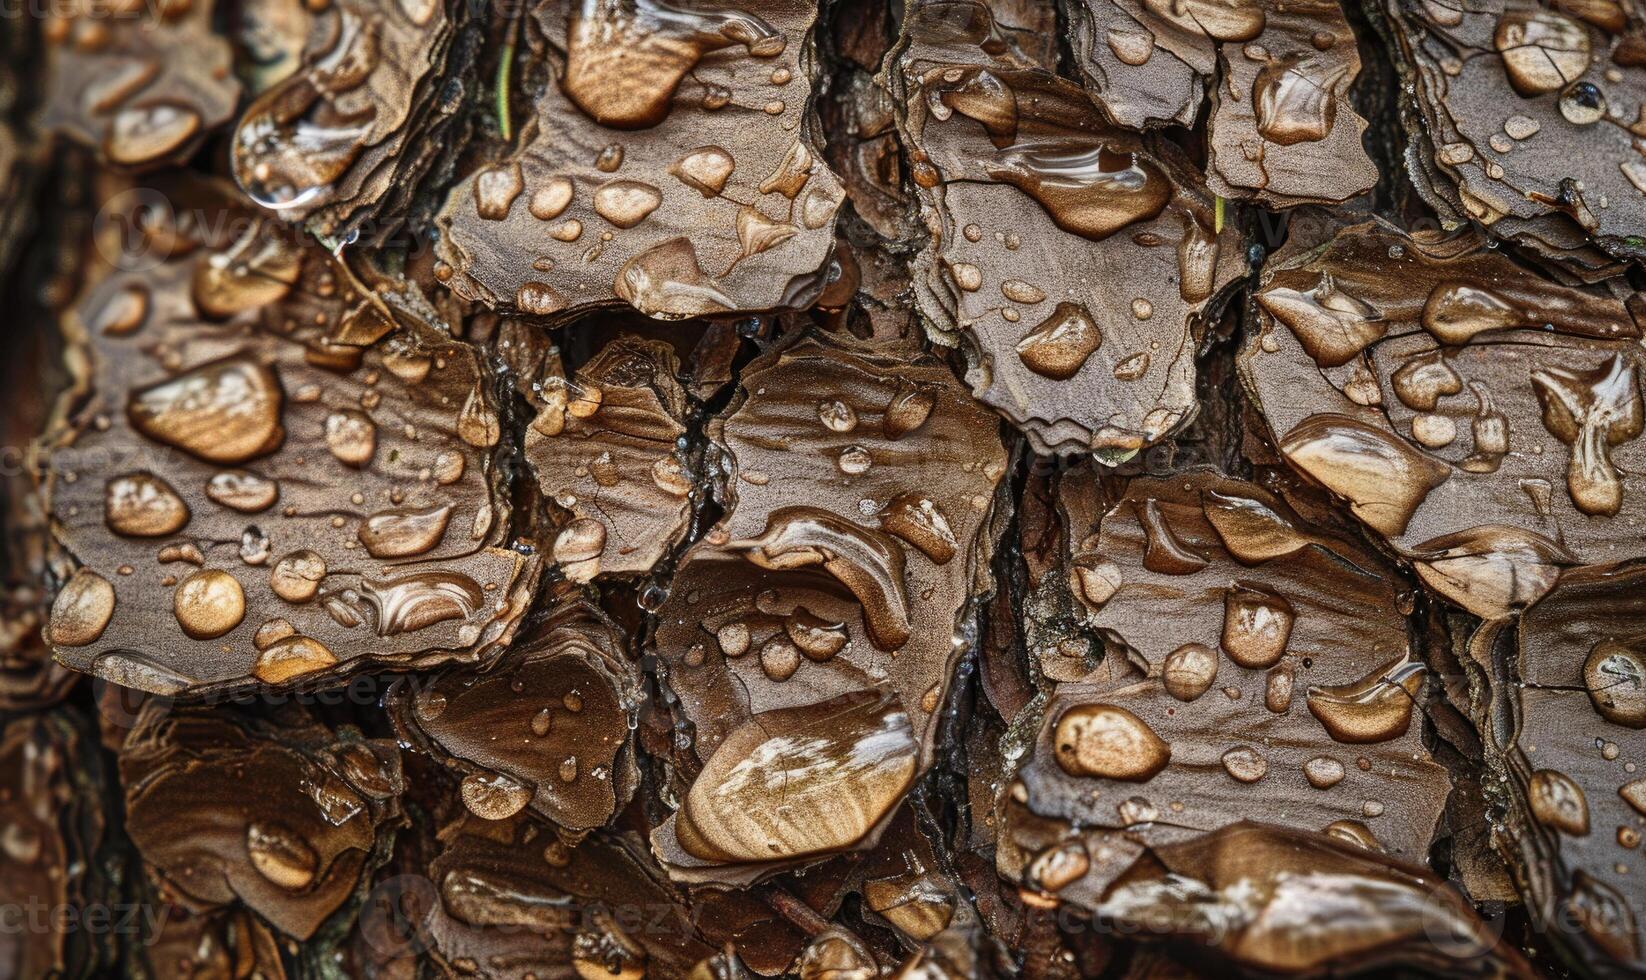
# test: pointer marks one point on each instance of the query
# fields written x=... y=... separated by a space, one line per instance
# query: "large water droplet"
x=705 y=169
x=624 y=61
x=1086 y=190
x=141 y=505
x=1188 y=671
x=1108 y=742
x=1060 y=344
x=1257 y=625
x=626 y=203
x=140 y=134
x=1592 y=411
x=227 y=412
x=799 y=781
x=1542 y=50
x=1294 y=106
x=208 y=604
x=868 y=563
x=1383 y=479
x=351 y=436
x=280 y=855
x=919 y=521
x=296 y=577
x=82 y=610
x=402 y=533
x=1376 y=708
x=242 y=490
x=493 y=796
x=1615 y=676
x=292 y=657
x=1558 y=802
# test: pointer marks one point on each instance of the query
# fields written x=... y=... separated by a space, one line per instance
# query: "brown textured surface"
x=284 y=815
x=682 y=176
x=345 y=137
x=1282 y=126
x=921 y=489
x=1491 y=83
x=1244 y=733
x=397 y=424
x=141 y=85
x=1428 y=329
x=1081 y=321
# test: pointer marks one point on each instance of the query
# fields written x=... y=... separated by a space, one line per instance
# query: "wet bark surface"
x=944 y=488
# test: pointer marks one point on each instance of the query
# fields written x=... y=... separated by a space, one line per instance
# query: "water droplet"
x=758 y=233
x=542 y=721
x=1383 y=478
x=800 y=781
x=551 y=199
x=1354 y=832
x=139 y=134
x=869 y=563
x=1592 y=411
x=280 y=855
x=779 y=658
x=1108 y=742
x=494 y=796
x=1257 y=625
x=1422 y=382
x=1221 y=20
x=666 y=281
x=1019 y=291
x=578 y=547
x=296 y=577
x=402 y=533
x=1133 y=367
x=1332 y=325
x=1615 y=676
x=920 y=522
x=208 y=604
x=1060 y=866
x=1278 y=687
x=1558 y=802
x=1455 y=313
x=854 y=460
x=1323 y=772
x=495 y=190
x=705 y=169
x=1433 y=431
x=538 y=299
x=908 y=410
x=141 y=505
x=1087 y=190
x=243 y=491
x=1097 y=582
x=1542 y=50
x=818 y=638
x=1060 y=344
x=292 y=657
x=1245 y=764
x=82 y=610
x=351 y=436
x=626 y=203
x=122 y=313
x=836 y=415
x=227 y=412
x=1376 y=708
x=1188 y=671
x=1293 y=106
x=1131 y=47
